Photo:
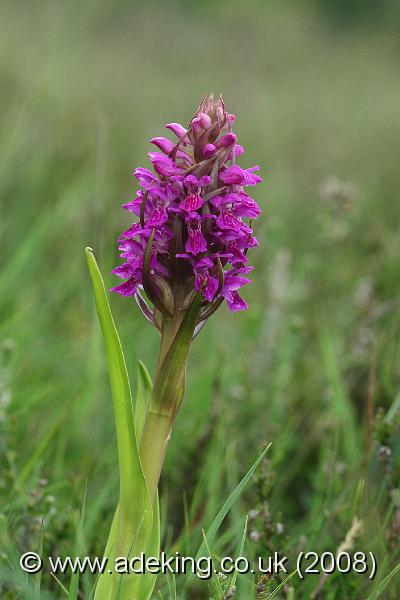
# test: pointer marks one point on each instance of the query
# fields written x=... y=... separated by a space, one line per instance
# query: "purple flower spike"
x=191 y=233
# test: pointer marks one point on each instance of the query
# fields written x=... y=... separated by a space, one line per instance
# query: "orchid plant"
x=183 y=256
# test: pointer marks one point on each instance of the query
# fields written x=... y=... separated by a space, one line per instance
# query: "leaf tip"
x=144 y=374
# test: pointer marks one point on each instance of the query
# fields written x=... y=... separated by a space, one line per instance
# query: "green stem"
x=159 y=419
x=169 y=329
x=168 y=390
x=153 y=448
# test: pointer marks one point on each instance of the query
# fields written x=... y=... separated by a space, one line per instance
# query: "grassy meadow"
x=313 y=367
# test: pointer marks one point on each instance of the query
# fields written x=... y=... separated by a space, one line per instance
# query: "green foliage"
x=144 y=387
x=135 y=528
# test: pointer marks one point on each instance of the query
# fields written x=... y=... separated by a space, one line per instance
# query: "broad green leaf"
x=132 y=528
x=144 y=388
x=146 y=583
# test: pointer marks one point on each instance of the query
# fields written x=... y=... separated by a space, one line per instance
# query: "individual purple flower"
x=177 y=129
x=233 y=281
x=159 y=215
x=192 y=233
x=191 y=202
x=164 y=144
x=227 y=219
x=163 y=165
x=237 y=175
x=196 y=242
x=145 y=177
x=204 y=280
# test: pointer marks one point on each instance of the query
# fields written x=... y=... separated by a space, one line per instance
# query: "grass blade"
x=38 y=579
x=215 y=525
x=214 y=576
x=229 y=502
x=383 y=584
x=79 y=550
x=281 y=585
x=240 y=551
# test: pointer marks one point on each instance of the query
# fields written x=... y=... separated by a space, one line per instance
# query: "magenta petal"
x=238 y=150
x=209 y=150
x=131 y=232
x=144 y=176
x=226 y=140
x=205 y=180
x=191 y=202
x=164 y=144
x=177 y=129
x=123 y=271
x=204 y=262
x=162 y=164
x=128 y=288
x=205 y=283
x=196 y=241
x=133 y=206
x=205 y=120
x=235 y=302
x=228 y=220
x=232 y=175
x=200 y=123
x=246 y=207
x=238 y=176
x=158 y=217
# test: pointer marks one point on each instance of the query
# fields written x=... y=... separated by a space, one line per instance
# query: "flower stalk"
x=168 y=390
x=183 y=257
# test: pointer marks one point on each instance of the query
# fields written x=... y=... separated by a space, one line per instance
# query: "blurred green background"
x=313 y=365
